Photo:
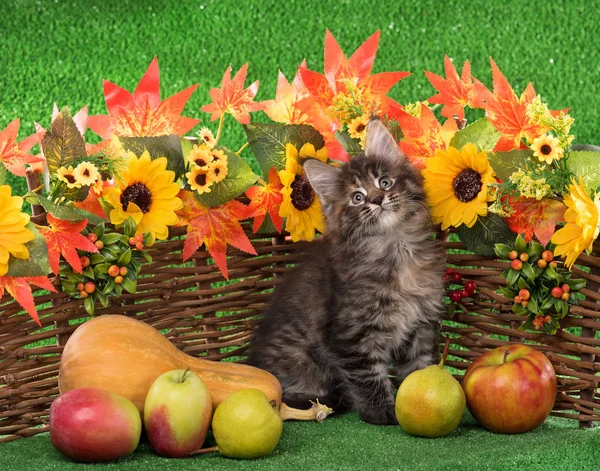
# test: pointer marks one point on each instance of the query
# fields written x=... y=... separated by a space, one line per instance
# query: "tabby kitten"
x=368 y=295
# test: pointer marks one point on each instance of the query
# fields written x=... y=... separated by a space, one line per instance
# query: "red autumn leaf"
x=266 y=199
x=20 y=289
x=338 y=72
x=63 y=237
x=214 y=227
x=143 y=113
x=284 y=109
x=457 y=92
x=233 y=98
x=423 y=135
x=91 y=205
x=14 y=155
x=535 y=217
x=508 y=113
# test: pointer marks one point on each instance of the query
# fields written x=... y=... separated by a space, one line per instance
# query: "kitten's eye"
x=357 y=197
x=385 y=183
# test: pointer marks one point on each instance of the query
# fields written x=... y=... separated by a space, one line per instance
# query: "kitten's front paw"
x=383 y=415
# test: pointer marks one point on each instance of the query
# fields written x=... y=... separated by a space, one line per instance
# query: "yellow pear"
x=430 y=402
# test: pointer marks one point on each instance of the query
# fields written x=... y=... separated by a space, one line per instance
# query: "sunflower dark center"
x=200 y=179
x=86 y=172
x=360 y=128
x=217 y=171
x=546 y=149
x=139 y=194
x=70 y=178
x=200 y=162
x=467 y=185
x=302 y=193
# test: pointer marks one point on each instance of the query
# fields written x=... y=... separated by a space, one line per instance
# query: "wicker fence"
x=205 y=317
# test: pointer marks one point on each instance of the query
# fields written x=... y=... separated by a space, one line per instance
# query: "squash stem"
x=318 y=412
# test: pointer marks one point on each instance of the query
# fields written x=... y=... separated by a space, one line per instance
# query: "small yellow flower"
x=457 y=184
x=547 y=149
x=218 y=155
x=207 y=137
x=200 y=156
x=218 y=170
x=13 y=231
x=200 y=179
x=582 y=227
x=86 y=173
x=67 y=175
x=358 y=129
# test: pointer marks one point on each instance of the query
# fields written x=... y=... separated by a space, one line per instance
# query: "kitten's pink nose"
x=378 y=200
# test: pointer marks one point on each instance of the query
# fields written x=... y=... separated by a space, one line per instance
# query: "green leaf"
x=111 y=238
x=186 y=147
x=547 y=303
x=63 y=143
x=528 y=271
x=102 y=298
x=520 y=244
x=512 y=277
x=532 y=306
x=68 y=213
x=3 y=173
x=587 y=165
x=101 y=269
x=551 y=273
x=506 y=163
x=110 y=286
x=507 y=292
x=577 y=284
x=125 y=258
x=349 y=144
x=88 y=304
x=129 y=227
x=502 y=250
x=523 y=284
x=482 y=133
x=239 y=178
x=528 y=324
x=99 y=230
x=486 y=232
x=89 y=272
x=129 y=285
x=37 y=264
x=268 y=142
x=158 y=146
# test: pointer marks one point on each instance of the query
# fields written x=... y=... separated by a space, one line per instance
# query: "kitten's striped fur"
x=367 y=297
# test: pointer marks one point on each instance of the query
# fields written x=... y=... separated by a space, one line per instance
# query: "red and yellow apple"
x=93 y=425
x=177 y=413
x=511 y=389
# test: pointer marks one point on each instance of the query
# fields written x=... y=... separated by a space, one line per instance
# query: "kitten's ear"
x=323 y=178
x=381 y=143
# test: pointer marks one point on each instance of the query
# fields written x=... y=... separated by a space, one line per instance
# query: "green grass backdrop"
x=60 y=50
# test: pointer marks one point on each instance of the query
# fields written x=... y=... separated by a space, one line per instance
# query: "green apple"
x=246 y=426
x=177 y=413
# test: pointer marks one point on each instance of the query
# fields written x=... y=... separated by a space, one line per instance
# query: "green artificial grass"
x=346 y=443
x=60 y=50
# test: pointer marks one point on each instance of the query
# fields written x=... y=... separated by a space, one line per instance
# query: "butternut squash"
x=125 y=356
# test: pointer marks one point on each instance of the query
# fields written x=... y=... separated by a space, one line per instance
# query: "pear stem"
x=184 y=375
x=318 y=412
x=445 y=354
x=506 y=353
x=201 y=451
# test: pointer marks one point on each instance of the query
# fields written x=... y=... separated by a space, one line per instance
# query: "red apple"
x=177 y=413
x=93 y=425
x=510 y=389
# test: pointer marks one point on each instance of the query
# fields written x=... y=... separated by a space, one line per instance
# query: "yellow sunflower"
x=218 y=155
x=200 y=179
x=218 y=170
x=207 y=137
x=581 y=229
x=147 y=193
x=13 y=233
x=358 y=129
x=300 y=205
x=456 y=183
x=547 y=148
x=86 y=173
x=67 y=175
x=200 y=156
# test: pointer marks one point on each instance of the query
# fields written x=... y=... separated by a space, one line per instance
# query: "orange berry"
x=123 y=271
x=80 y=286
x=513 y=255
x=85 y=261
x=113 y=271
x=547 y=319
x=524 y=257
x=553 y=264
x=542 y=263
x=83 y=294
x=524 y=294
x=556 y=292
x=99 y=244
x=139 y=246
x=547 y=255
x=516 y=265
x=90 y=287
x=524 y=303
x=140 y=237
x=565 y=296
x=518 y=300
x=92 y=237
x=132 y=241
x=566 y=288
x=118 y=279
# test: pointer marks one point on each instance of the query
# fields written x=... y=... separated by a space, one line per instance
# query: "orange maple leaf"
x=284 y=109
x=233 y=98
x=214 y=227
x=508 y=113
x=457 y=92
x=20 y=290
x=535 y=217
x=143 y=113
x=423 y=135
x=63 y=237
x=14 y=155
x=266 y=199
x=92 y=204
x=338 y=73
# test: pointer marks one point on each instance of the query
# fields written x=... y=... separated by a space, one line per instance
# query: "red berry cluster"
x=117 y=273
x=523 y=297
x=137 y=241
x=86 y=289
x=539 y=321
x=561 y=292
x=451 y=276
x=518 y=259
